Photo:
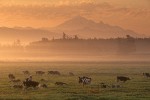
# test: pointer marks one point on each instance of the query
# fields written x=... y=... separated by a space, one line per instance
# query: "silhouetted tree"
x=45 y=40
x=76 y=37
x=64 y=36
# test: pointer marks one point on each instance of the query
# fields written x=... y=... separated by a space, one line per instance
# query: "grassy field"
x=138 y=88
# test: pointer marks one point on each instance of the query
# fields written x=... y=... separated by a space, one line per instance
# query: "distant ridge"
x=78 y=25
x=89 y=29
x=25 y=34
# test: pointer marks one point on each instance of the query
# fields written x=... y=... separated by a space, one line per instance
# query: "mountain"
x=89 y=29
x=25 y=34
x=80 y=26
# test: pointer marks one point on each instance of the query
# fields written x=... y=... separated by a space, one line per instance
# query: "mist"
x=76 y=49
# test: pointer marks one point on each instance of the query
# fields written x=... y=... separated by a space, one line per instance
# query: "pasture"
x=138 y=88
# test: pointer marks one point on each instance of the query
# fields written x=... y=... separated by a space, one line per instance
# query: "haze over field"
x=74 y=49
x=95 y=26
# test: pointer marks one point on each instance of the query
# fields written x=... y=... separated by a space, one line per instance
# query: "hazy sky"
x=129 y=14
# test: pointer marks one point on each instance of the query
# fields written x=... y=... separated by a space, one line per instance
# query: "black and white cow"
x=85 y=80
x=26 y=72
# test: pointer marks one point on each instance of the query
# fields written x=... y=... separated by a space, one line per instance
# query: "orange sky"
x=129 y=14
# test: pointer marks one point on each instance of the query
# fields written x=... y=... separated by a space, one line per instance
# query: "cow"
x=33 y=84
x=122 y=78
x=60 y=83
x=26 y=72
x=11 y=76
x=53 y=72
x=85 y=80
x=40 y=72
x=146 y=74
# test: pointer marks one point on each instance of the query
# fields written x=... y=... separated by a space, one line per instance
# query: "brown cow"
x=122 y=78
x=28 y=84
x=40 y=72
x=26 y=72
x=54 y=72
x=146 y=74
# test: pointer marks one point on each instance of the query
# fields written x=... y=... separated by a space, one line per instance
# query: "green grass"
x=138 y=88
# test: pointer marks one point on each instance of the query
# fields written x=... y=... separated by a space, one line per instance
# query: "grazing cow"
x=28 y=84
x=11 y=76
x=60 y=83
x=85 y=80
x=122 y=78
x=54 y=72
x=71 y=74
x=146 y=74
x=26 y=72
x=18 y=86
x=40 y=72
